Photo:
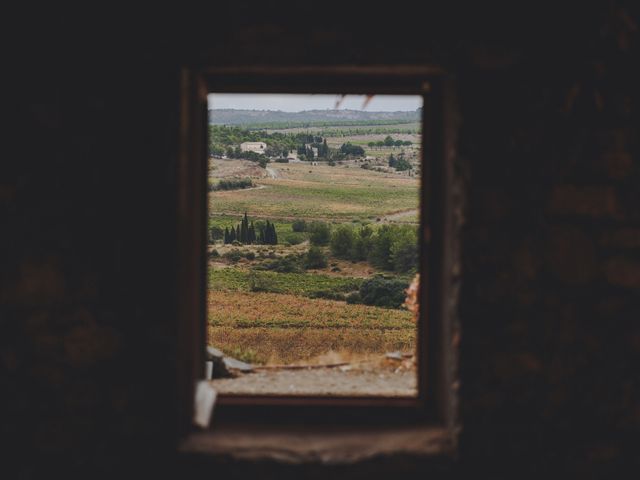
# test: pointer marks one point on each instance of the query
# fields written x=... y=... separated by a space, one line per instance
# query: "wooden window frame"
x=433 y=406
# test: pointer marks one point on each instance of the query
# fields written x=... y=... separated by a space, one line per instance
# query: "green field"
x=305 y=284
x=340 y=193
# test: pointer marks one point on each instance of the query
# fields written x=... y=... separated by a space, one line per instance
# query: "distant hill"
x=309 y=117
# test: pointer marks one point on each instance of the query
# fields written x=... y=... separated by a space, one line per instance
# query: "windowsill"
x=322 y=444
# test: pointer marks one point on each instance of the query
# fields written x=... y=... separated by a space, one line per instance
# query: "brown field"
x=282 y=328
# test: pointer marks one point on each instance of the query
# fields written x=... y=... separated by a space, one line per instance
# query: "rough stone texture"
x=571 y=255
x=328 y=445
x=623 y=272
x=548 y=143
x=622 y=238
x=591 y=201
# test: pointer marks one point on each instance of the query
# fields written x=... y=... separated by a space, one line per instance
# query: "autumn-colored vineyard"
x=277 y=328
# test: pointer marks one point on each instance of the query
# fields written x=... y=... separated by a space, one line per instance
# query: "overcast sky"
x=298 y=103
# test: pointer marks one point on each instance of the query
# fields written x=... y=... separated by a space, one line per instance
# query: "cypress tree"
x=252 y=233
x=226 y=235
x=244 y=229
x=238 y=237
x=269 y=233
x=232 y=235
x=244 y=234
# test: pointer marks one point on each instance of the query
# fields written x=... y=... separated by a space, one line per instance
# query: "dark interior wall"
x=548 y=148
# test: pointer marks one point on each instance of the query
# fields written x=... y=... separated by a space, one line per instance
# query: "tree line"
x=225 y=140
x=247 y=233
x=390 y=142
x=399 y=163
x=231 y=184
x=391 y=247
x=324 y=123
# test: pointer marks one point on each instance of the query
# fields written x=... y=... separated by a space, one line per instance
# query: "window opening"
x=314 y=247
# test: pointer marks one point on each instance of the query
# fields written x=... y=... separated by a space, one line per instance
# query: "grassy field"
x=277 y=328
x=304 y=284
x=321 y=192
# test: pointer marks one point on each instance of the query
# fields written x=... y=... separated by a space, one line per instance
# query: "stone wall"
x=548 y=153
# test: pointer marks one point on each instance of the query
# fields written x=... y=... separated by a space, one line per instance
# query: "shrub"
x=342 y=241
x=215 y=233
x=214 y=253
x=402 y=165
x=232 y=184
x=383 y=292
x=315 y=258
x=350 y=149
x=257 y=283
x=404 y=251
x=320 y=233
x=233 y=255
x=250 y=256
x=354 y=297
x=299 y=226
x=362 y=243
x=328 y=294
x=293 y=238
x=287 y=264
x=380 y=252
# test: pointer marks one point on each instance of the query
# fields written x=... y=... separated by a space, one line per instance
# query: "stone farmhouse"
x=257 y=147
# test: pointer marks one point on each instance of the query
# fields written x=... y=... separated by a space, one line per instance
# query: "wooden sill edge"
x=319 y=444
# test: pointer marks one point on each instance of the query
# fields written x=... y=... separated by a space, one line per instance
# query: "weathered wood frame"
x=433 y=405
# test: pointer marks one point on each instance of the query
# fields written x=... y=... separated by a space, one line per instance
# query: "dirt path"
x=273 y=173
x=398 y=216
x=325 y=381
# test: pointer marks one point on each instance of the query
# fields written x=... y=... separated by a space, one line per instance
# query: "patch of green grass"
x=339 y=202
x=318 y=192
x=304 y=284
